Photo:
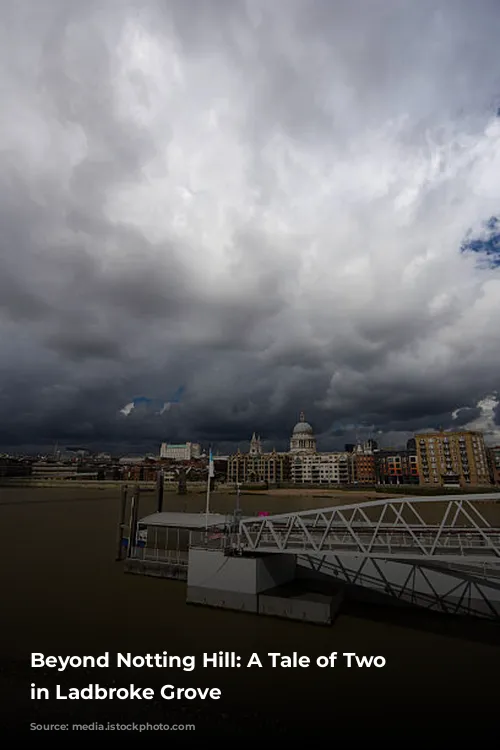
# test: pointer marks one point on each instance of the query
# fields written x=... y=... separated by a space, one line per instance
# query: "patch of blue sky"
x=487 y=245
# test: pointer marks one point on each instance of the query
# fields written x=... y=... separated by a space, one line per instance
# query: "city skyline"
x=484 y=424
x=278 y=207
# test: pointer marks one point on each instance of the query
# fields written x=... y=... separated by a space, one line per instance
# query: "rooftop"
x=185 y=520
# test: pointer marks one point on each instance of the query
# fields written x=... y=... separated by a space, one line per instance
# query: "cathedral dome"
x=302 y=428
x=302 y=440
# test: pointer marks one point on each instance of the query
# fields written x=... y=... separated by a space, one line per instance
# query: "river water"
x=63 y=594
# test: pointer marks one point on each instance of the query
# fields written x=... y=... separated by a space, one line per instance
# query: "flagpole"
x=207 y=510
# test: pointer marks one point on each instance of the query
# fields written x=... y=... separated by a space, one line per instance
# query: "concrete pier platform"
x=219 y=580
x=264 y=585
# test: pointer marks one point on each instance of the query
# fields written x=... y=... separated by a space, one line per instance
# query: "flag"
x=211 y=470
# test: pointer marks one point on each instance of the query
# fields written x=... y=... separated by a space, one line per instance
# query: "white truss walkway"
x=440 y=553
x=452 y=529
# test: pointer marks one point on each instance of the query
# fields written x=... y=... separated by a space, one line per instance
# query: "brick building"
x=452 y=459
x=397 y=466
x=493 y=455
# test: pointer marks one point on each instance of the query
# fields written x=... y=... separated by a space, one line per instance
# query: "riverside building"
x=397 y=466
x=308 y=466
x=255 y=466
x=180 y=452
x=301 y=465
x=452 y=459
x=494 y=463
x=363 y=464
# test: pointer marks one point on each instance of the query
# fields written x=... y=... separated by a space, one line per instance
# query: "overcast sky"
x=265 y=203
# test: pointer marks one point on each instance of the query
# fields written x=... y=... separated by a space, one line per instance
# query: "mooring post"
x=121 y=524
x=134 y=515
x=160 y=487
x=182 y=484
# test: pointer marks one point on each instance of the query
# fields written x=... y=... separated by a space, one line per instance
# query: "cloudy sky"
x=261 y=206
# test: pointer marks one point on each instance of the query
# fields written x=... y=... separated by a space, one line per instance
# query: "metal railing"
x=162 y=556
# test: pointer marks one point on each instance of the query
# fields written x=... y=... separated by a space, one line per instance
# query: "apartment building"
x=363 y=463
x=180 y=452
x=321 y=468
x=258 y=467
x=394 y=466
x=452 y=459
x=493 y=454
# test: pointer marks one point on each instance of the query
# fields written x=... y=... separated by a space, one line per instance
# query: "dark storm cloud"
x=264 y=202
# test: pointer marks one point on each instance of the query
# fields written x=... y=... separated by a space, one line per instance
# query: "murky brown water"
x=62 y=593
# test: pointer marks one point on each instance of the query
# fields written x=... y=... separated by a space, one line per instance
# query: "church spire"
x=302 y=417
x=255 y=445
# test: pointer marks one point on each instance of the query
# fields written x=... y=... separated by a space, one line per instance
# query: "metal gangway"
x=439 y=552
